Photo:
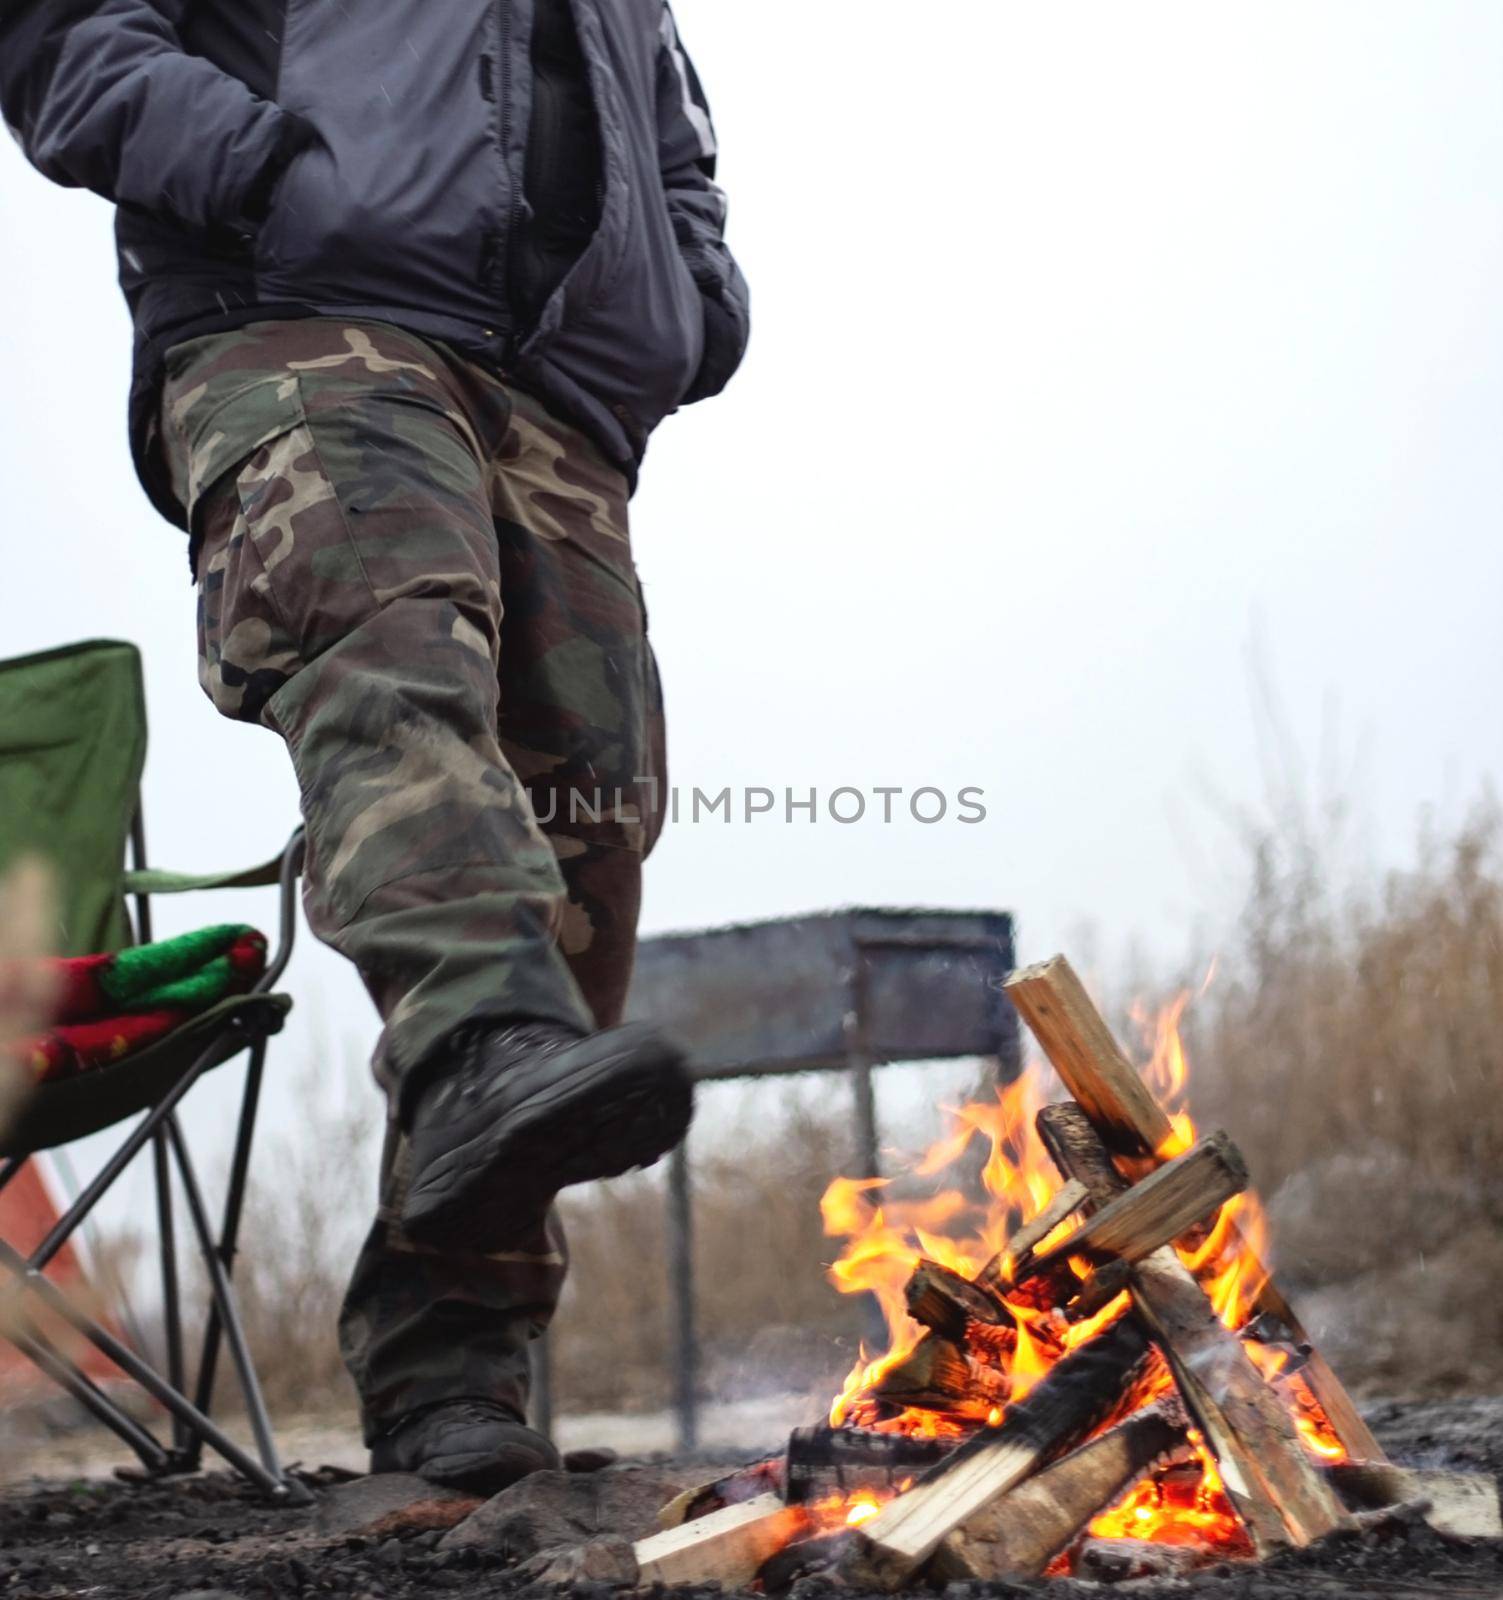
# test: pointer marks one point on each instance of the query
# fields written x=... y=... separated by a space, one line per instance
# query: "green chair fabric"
x=72 y=749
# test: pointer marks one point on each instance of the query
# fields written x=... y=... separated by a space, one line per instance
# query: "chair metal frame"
x=192 y=1424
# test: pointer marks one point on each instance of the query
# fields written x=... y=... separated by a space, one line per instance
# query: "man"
x=412 y=285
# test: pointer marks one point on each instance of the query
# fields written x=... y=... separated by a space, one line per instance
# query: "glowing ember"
x=964 y=1226
x=863 y=1511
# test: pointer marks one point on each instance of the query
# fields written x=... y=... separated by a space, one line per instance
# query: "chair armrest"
x=153 y=880
x=283 y=869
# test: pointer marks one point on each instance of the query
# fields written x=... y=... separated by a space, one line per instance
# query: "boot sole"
x=478 y=1473
x=626 y=1108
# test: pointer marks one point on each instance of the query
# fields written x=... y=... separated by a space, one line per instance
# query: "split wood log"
x=827 y=1461
x=730 y=1489
x=947 y=1302
x=1464 y=1504
x=1020 y=1534
x=728 y=1546
x=1062 y=1205
x=1074 y=1397
x=1154 y=1211
x=1273 y=1485
x=1050 y=1288
x=1074 y=1036
x=937 y=1375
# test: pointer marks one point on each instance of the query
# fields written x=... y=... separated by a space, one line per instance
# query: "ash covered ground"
x=209 y=1538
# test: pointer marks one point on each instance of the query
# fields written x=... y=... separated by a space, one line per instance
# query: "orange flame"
x=964 y=1219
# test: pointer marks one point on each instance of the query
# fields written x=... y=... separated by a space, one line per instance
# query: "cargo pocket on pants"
x=259 y=446
x=246 y=650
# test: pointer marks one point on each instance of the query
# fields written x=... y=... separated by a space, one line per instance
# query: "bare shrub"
x=1353 y=1044
x=311 y=1196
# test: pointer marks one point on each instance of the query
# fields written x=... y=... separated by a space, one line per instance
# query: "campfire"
x=1089 y=1368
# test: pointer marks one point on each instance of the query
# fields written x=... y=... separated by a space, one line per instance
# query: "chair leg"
x=172 y=1311
x=60 y=1232
x=224 y=1303
x=37 y=1348
x=271 y=1481
x=229 y=1236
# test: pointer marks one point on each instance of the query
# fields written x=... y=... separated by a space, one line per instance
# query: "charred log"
x=1268 y=1477
x=946 y=1302
x=1099 y=1290
x=1121 y=1560
x=1155 y=1211
x=732 y=1489
x=803 y=1560
x=1074 y=1398
x=939 y=1376
x=1019 y=1534
x=826 y=1461
x=1463 y=1504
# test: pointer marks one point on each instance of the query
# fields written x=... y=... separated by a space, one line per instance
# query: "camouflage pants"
x=424 y=584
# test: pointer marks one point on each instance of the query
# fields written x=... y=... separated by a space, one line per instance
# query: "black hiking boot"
x=464 y=1444
x=524 y=1110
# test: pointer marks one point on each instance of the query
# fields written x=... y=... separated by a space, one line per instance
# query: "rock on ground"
x=554 y=1509
x=390 y=1503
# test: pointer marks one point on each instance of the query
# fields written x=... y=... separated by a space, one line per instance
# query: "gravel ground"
x=210 y=1539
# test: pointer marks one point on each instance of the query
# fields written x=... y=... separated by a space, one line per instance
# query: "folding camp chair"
x=72 y=748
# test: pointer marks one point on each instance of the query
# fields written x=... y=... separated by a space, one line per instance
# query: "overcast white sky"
x=1096 y=346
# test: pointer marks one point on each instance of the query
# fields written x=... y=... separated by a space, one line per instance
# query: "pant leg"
x=581 y=719
x=580 y=710
x=350 y=600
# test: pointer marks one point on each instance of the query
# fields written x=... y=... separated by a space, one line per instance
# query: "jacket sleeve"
x=101 y=95
x=686 y=154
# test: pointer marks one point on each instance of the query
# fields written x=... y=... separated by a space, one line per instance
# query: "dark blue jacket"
x=274 y=158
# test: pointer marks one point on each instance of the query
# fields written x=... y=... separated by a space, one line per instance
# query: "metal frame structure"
x=192 y=1424
x=846 y=992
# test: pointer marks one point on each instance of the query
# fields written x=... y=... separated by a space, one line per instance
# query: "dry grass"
x=1353 y=1044
x=768 y=1321
x=307 y=1210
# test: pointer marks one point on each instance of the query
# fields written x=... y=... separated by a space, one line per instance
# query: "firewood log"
x=1074 y=1397
x=1121 y=1560
x=1063 y=1204
x=946 y=1301
x=1073 y=1034
x=1018 y=1535
x=1154 y=1211
x=1269 y=1479
x=731 y=1488
x=1099 y=1290
x=827 y=1461
x=938 y=1376
x=727 y=1547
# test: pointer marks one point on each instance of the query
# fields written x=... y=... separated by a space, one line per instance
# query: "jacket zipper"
x=512 y=232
